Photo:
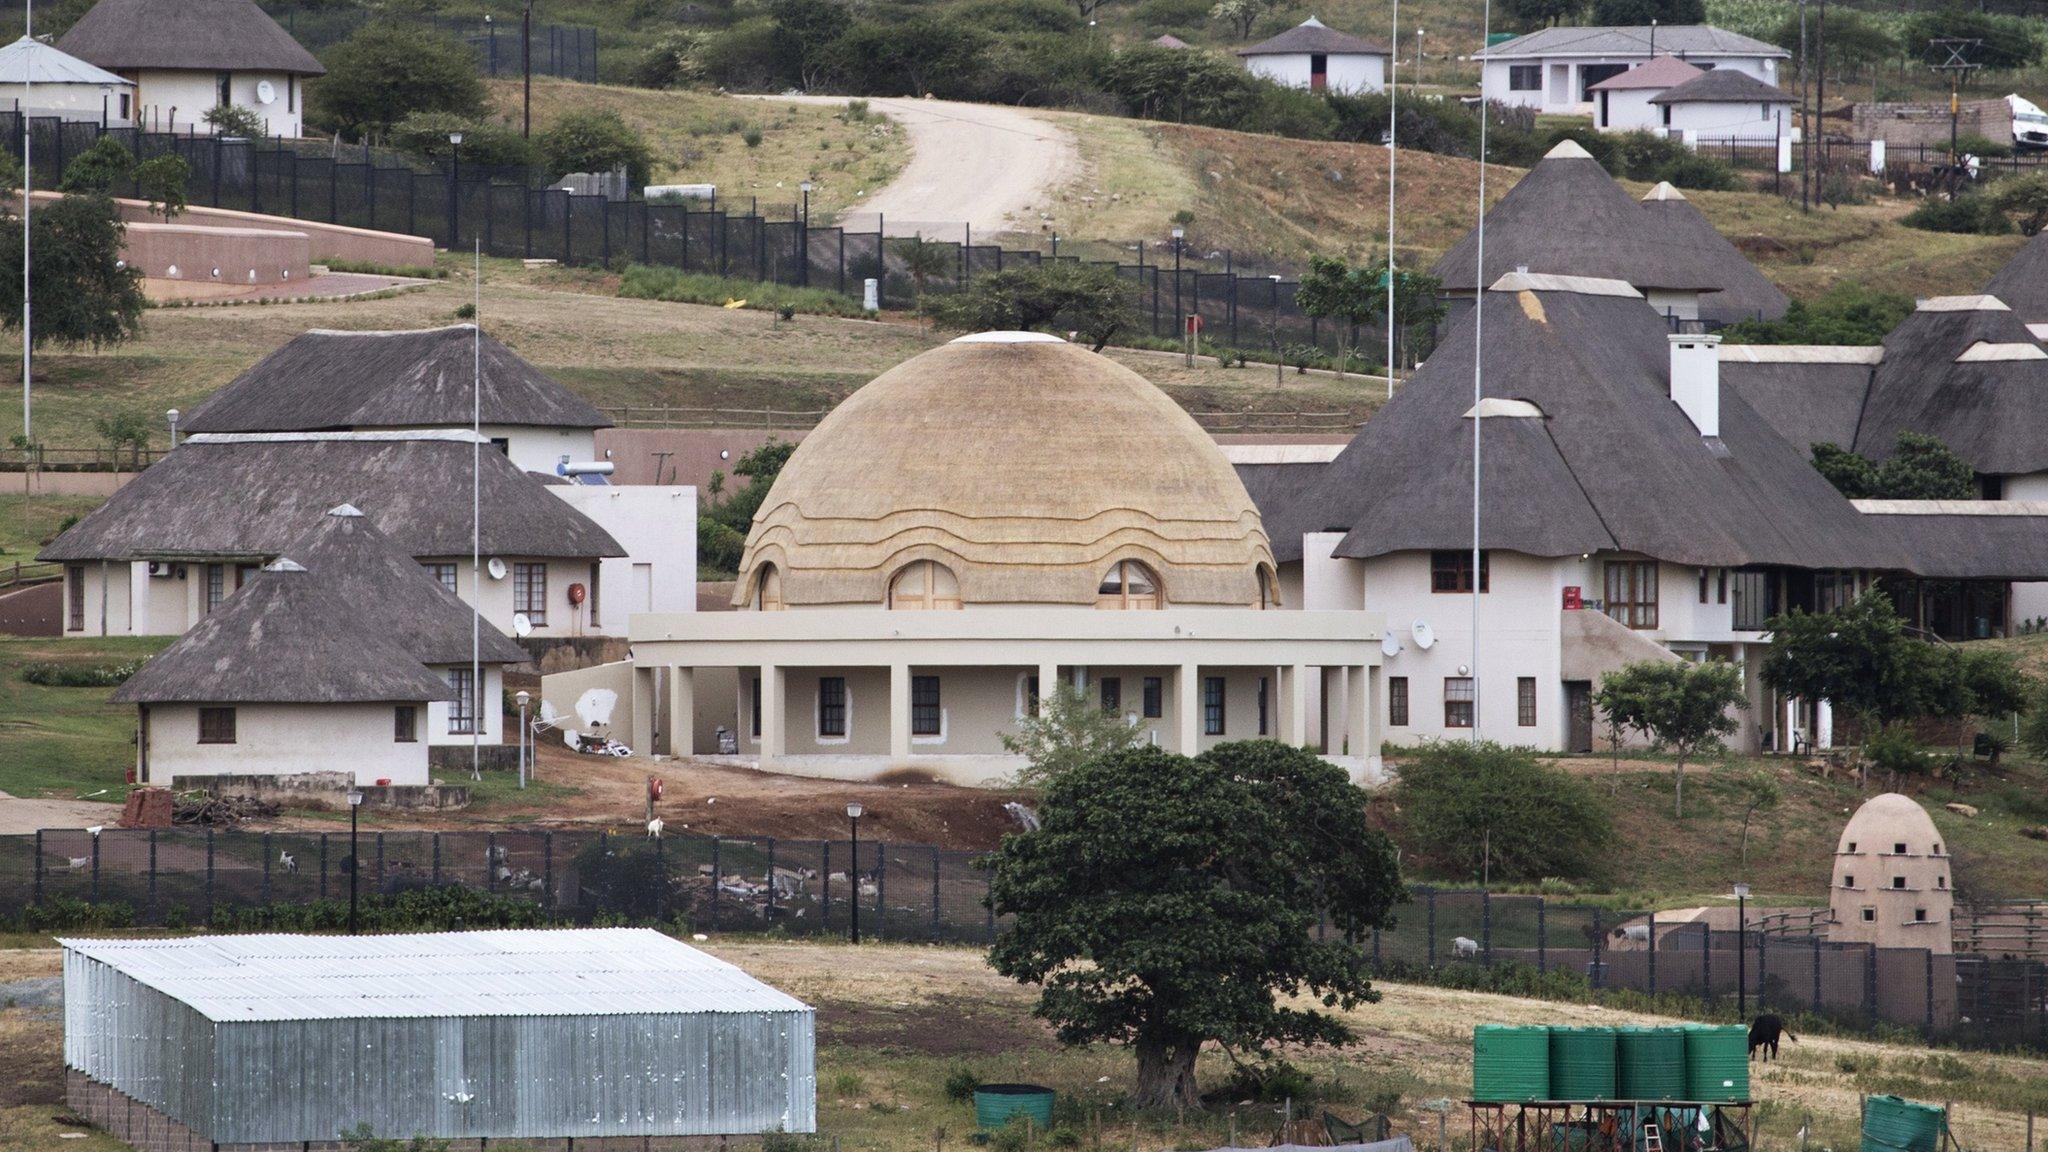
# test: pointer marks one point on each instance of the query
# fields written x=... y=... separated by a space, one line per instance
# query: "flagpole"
x=1478 y=376
x=1393 y=128
x=28 y=31
x=476 y=505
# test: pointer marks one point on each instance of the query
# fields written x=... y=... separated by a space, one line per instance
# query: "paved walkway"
x=982 y=166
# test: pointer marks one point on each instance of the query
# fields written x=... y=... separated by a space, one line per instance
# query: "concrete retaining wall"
x=329 y=790
x=328 y=242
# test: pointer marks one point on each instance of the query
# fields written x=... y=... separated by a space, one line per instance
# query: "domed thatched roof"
x=1025 y=465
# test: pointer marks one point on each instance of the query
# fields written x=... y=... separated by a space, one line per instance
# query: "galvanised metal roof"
x=553 y=972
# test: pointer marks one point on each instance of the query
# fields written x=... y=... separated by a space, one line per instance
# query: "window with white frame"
x=530 y=592
x=463 y=710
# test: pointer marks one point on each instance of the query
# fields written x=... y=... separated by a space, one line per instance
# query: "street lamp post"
x=522 y=697
x=454 y=186
x=172 y=416
x=854 y=811
x=1178 y=318
x=526 y=68
x=1417 y=81
x=804 y=243
x=355 y=861
x=1741 y=950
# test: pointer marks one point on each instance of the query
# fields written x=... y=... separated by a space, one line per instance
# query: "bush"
x=80 y=675
x=485 y=143
x=1087 y=298
x=1850 y=313
x=1971 y=144
x=100 y=169
x=1157 y=16
x=234 y=120
x=960 y=1085
x=1969 y=213
x=661 y=282
x=1014 y=16
x=161 y=180
x=594 y=140
x=1894 y=752
x=1497 y=813
x=384 y=73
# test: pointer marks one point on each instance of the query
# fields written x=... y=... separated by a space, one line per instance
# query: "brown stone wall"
x=1913 y=125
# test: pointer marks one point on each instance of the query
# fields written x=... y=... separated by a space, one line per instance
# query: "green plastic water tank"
x=1582 y=1064
x=1716 y=1062
x=1510 y=1064
x=996 y=1104
x=1650 y=1063
x=1891 y=1124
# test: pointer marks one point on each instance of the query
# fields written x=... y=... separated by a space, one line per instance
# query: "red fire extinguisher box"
x=1574 y=600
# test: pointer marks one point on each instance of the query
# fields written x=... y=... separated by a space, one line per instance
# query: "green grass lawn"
x=66 y=742
x=29 y=522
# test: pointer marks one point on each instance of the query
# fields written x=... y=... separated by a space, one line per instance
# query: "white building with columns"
x=996 y=515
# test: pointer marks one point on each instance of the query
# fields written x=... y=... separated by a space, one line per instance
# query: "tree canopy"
x=84 y=295
x=1168 y=901
x=1490 y=812
x=1848 y=313
x=101 y=169
x=1067 y=730
x=1679 y=706
x=1920 y=468
x=594 y=140
x=1057 y=296
x=726 y=516
x=384 y=73
x=1864 y=662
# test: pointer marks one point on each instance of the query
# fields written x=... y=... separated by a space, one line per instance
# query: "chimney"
x=1696 y=379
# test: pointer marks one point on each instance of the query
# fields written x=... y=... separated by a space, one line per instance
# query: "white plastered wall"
x=285 y=739
x=178 y=100
x=657 y=526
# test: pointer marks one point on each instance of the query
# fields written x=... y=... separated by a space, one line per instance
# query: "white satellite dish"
x=1425 y=636
x=1390 y=645
x=522 y=624
x=495 y=567
x=266 y=92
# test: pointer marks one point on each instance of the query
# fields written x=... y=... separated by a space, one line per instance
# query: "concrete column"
x=1824 y=725
x=1296 y=705
x=771 y=714
x=1358 y=713
x=899 y=711
x=643 y=710
x=1048 y=681
x=1187 y=690
x=682 y=711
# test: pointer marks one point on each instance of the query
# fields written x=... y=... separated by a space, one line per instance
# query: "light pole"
x=804 y=259
x=355 y=862
x=854 y=811
x=522 y=697
x=1178 y=233
x=526 y=68
x=1741 y=951
x=172 y=416
x=1416 y=83
x=454 y=186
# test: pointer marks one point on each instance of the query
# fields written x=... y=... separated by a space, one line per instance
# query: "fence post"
x=437 y=858
x=209 y=877
x=1653 y=954
x=1599 y=951
x=152 y=872
x=1430 y=896
x=36 y=896
x=1486 y=927
x=825 y=885
x=935 y=893
x=491 y=862
x=1542 y=936
x=526 y=218
x=547 y=867
x=95 y=896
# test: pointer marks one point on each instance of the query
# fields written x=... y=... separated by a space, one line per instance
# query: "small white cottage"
x=43 y=81
x=186 y=57
x=1621 y=103
x=1725 y=105
x=1314 y=56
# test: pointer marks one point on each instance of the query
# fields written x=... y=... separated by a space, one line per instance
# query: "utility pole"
x=1805 y=122
x=526 y=68
x=1957 y=66
x=1820 y=83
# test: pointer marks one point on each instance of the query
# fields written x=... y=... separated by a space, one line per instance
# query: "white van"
x=2029 y=124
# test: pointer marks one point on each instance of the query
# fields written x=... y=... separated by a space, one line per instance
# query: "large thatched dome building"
x=1007 y=468
x=941 y=544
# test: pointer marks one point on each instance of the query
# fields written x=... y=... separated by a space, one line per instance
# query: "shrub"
x=234 y=120
x=1851 y=313
x=100 y=169
x=751 y=137
x=1157 y=16
x=485 y=143
x=847 y=1085
x=80 y=675
x=661 y=282
x=1969 y=213
x=1493 y=812
x=594 y=140
x=1893 y=751
x=960 y=1084
x=1087 y=298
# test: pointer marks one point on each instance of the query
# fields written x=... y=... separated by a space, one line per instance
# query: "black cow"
x=1764 y=1033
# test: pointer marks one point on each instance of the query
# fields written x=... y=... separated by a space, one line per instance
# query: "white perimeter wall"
x=657 y=526
x=1344 y=73
x=283 y=739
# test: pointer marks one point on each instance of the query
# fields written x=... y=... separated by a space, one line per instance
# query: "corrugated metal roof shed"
x=535 y=1034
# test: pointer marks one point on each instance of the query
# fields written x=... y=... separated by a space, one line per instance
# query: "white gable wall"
x=1344 y=72
x=285 y=739
x=1718 y=121
x=657 y=526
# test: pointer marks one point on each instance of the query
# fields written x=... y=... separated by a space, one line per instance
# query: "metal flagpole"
x=1393 y=128
x=28 y=29
x=476 y=505
x=1478 y=376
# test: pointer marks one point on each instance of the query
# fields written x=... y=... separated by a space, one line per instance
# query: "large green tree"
x=1168 y=902
x=1334 y=290
x=1058 y=296
x=384 y=73
x=1863 y=661
x=1679 y=706
x=84 y=294
x=595 y=140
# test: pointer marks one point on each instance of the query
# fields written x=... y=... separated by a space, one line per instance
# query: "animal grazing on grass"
x=1764 y=1034
x=654 y=828
x=290 y=862
x=1466 y=946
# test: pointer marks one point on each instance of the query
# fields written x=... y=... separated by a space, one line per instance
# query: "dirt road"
x=19 y=816
x=978 y=166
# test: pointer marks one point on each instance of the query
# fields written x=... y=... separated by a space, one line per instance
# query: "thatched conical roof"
x=1744 y=292
x=194 y=35
x=2023 y=282
x=1964 y=370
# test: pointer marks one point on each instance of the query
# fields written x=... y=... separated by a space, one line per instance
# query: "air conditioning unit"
x=162 y=568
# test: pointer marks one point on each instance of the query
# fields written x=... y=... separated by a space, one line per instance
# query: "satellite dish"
x=1425 y=636
x=522 y=625
x=496 y=568
x=266 y=92
x=1390 y=645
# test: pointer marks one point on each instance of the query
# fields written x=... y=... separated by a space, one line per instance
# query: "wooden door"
x=1578 y=706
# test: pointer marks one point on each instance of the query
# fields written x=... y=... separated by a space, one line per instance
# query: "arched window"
x=1128 y=585
x=924 y=586
x=768 y=589
x=1269 y=588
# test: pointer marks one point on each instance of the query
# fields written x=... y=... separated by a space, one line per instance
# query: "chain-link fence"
x=921 y=893
x=460 y=204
